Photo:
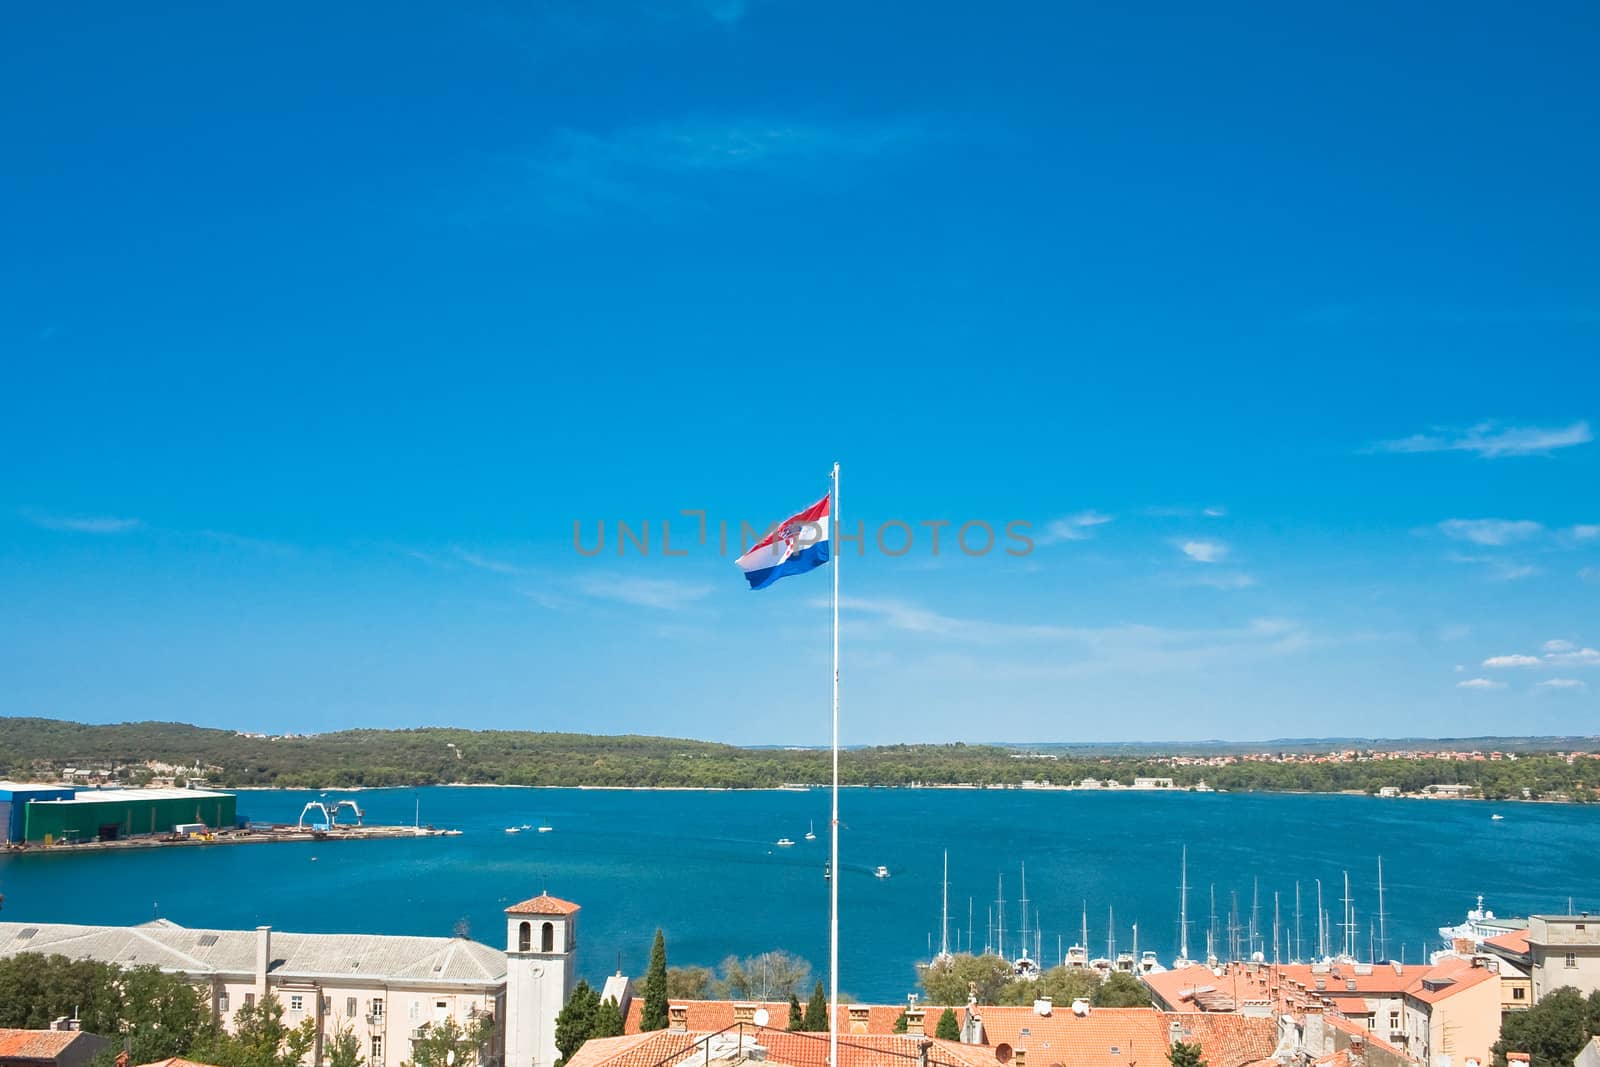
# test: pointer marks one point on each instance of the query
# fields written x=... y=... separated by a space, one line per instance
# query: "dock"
x=251 y=835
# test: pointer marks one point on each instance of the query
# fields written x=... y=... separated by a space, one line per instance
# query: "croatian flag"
x=798 y=545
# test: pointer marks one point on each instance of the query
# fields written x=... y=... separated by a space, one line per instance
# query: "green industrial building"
x=112 y=814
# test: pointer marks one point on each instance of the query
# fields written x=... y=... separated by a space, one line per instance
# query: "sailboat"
x=1024 y=966
x=811 y=834
x=1078 y=954
x=1183 y=959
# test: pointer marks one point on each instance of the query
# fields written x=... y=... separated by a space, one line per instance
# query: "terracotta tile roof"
x=543 y=904
x=176 y=1061
x=1355 y=1029
x=669 y=1048
x=1460 y=975
x=1351 y=1006
x=633 y=1050
x=1228 y=1040
x=1515 y=942
x=709 y=1016
x=1106 y=1037
x=36 y=1044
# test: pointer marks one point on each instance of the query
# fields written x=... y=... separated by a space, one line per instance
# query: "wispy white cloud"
x=1455 y=631
x=1082 y=649
x=1491 y=532
x=1561 y=683
x=486 y=563
x=1585 y=531
x=1493 y=441
x=1204 y=551
x=1079 y=527
x=1589 y=574
x=660 y=593
x=1213 y=580
x=1577 y=657
x=1514 y=660
x=1480 y=683
x=1556 y=653
x=664 y=163
x=89 y=524
x=1181 y=511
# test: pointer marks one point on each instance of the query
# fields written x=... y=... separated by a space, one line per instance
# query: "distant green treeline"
x=31 y=747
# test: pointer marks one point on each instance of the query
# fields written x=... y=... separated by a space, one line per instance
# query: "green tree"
x=797 y=1018
x=575 y=1022
x=817 y=1010
x=948 y=1029
x=771 y=974
x=259 y=1039
x=1186 y=1054
x=654 y=1014
x=1552 y=1032
x=901 y=1023
x=1122 y=990
x=343 y=1049
x=447 y=1044
x=163 y=1015
x=949 y=981
x=1066 y=984
x=608 y=1021
x=689 y=983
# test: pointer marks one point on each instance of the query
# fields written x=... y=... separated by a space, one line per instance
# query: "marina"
x=702 y=866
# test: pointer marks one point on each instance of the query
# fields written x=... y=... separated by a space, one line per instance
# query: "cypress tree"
x=949 y=1029
x=797 y=1019
x=817 y=1010
x=575 y=1022
x=654 y=1015
x=608 y=1020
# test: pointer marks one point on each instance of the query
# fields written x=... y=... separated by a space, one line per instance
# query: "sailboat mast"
x=1383 y=932
x=1024 y=909
x=1000 y=918
x=1322 y=935
x=1183 y=907
x=1349 y=920
x=1111 y=935
x=1255 y=913
x=1275 y=927
x=1298 y=948
x=944 y=912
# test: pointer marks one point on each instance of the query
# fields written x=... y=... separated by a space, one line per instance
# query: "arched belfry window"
x=547 y=940
x=524 y=937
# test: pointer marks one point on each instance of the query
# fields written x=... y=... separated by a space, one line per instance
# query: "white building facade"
x=385 y=989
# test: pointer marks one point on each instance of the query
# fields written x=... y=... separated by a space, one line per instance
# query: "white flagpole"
x=833 y=883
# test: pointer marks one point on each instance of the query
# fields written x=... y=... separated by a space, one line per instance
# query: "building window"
x=327 y=1005
x=222 y=1001
x=1572 y=961
x=377 y=1007
x=297 y=1003
x=1394 y=1020
x=413 y=1011
x=249 y=1000
x=525 y=937
x=547 y=939
x=1519 y=993
x=377 y=1050
x=350 y=1007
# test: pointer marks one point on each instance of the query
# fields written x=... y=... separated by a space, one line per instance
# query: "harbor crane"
x=330 y=814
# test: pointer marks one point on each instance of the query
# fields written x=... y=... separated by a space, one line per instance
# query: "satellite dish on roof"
x=762 y=1018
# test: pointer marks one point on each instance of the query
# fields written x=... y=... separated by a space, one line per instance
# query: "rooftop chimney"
x=678 y=1017
x=860 y=1016
x=1517 y=1057
x=744 y=1012
x=1021 y=1058
x=263 y=960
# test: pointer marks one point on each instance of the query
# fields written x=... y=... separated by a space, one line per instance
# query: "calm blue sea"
x=703 y=866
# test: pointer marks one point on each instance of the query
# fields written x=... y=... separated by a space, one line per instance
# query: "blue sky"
x=319 y=333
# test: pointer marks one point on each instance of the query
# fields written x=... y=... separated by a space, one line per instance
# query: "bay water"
x=705 y=867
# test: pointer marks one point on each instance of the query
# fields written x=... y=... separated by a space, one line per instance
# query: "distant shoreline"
x=1122 y=791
